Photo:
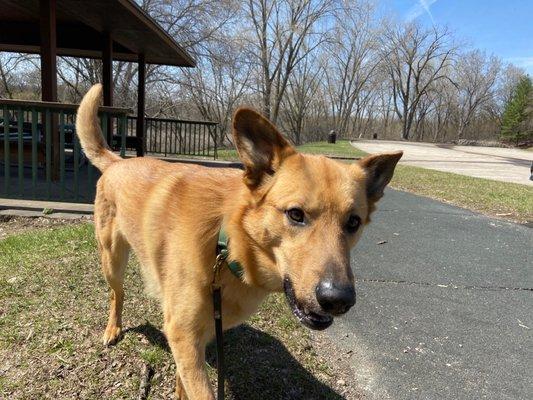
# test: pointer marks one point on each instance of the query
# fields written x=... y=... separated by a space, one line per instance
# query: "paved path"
x=444 y=307
x=508 y=165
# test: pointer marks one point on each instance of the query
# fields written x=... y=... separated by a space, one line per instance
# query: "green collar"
x=222 y=248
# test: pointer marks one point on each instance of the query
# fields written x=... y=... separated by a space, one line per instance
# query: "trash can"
x=332 y=137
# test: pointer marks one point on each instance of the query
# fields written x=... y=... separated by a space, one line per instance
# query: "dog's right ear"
x=260 y=146
x=379 y=169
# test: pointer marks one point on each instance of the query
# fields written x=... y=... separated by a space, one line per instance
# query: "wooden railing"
x=177 y=137
x=42 y=158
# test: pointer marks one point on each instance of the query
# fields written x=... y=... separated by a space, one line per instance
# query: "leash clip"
x=220 y=260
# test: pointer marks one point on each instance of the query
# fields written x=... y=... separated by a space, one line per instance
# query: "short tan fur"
x=291 y=219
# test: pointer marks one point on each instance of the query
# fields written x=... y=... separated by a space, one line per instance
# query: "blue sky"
x=502 y=27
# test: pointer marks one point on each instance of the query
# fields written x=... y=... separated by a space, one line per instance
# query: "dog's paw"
x=112 y=335
x=179 y=393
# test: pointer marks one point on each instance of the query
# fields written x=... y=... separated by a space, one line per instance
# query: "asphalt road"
x=444 y=307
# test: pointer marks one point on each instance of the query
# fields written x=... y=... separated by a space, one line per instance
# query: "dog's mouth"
x=311 y=319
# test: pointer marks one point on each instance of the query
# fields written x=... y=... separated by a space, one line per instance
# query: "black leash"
x=237 y=270
x=217 y=306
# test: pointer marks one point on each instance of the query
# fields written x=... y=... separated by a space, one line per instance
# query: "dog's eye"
x=353 y=223
x=296 y=215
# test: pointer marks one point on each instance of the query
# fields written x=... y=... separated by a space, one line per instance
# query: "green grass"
x=509 y=200
x=53 y=309
x=342 y=148
x=227 y=154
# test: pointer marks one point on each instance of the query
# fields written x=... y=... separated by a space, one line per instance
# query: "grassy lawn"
x=342 y=148
x=53 y=308
x=504 y=199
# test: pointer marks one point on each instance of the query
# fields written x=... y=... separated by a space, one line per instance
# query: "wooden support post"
x=107 y=79
x=49 y=72
x=140 y=106
x=48 y=50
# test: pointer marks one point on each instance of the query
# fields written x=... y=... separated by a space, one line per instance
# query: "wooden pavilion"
x=104 y=29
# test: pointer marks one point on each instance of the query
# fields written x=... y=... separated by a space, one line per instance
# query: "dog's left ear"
x=379 y=169
x=260 y=146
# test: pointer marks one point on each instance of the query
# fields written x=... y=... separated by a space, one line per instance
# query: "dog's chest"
x=239 y=301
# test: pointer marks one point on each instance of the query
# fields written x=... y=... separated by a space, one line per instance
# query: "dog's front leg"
x=188 y=349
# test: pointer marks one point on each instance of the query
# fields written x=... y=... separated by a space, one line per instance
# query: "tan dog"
x=292 y=220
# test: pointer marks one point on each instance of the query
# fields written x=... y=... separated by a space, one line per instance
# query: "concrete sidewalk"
x=444 y=304
x=501 y=164
x=54 y=209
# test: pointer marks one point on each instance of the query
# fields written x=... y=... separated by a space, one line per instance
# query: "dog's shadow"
x=257 y=366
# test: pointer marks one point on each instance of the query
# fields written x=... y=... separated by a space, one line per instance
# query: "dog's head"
x=305 y=214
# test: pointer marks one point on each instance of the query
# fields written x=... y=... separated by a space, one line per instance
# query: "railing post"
x=141 y=123
x=20 y=150
x=215 y=137
x=76 y=152
x=34 y=142
x=7 y=151
x=62 y=154
x=104 y=124
x=122 y=130
x=204 y=130
x=48 y=167
x=107 y=78
x=90 y=183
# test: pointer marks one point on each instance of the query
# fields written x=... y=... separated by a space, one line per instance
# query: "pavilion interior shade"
x=81 y=25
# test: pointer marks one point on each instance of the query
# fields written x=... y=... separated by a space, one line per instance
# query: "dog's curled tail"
x=89 y=132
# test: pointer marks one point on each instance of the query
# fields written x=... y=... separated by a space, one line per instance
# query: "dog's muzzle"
x=311 y=319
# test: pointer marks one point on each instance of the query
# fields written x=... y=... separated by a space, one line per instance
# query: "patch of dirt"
x=11 y=224
x=340 y=362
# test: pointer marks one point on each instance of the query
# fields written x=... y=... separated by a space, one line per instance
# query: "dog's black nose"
x=335 y=299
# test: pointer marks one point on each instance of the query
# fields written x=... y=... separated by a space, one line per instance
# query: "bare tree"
x=416 y=57
x=302 y=89
x=475 y=78
x=311 y=65
x=350 y=61
x=284 y=32
x=443 y=96
x=194 y=23
x=13 y=67
x=218 y=85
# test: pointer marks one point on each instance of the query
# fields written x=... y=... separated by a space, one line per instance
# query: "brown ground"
x=53 y=304
x=11 y=224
